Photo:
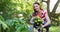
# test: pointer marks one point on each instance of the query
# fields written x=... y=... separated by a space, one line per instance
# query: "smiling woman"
x=11 y=9
x=41 y=13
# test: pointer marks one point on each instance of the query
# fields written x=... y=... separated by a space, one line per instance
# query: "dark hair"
x=36 y=3
x=35 y=12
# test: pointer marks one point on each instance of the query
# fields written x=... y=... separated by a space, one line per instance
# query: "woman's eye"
x=35 y=6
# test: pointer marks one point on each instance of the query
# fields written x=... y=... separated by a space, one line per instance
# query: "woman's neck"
x=39 y=11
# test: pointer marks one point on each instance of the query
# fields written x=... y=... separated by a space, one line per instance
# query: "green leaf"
x=4 y=25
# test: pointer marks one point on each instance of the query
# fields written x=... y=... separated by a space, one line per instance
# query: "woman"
x=42 y=14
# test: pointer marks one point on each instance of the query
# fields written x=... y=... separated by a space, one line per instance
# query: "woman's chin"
x=37 y=10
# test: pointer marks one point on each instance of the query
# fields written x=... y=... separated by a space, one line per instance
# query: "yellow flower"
x=37 y=19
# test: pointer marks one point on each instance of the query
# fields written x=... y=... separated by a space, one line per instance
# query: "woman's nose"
x=35 y=7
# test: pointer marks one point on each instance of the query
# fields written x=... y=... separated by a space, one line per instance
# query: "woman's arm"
x=31 y=20
x=48 y=20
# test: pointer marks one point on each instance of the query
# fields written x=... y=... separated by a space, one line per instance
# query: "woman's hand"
x=48 y=20
x=31 y=21
x=42 y=26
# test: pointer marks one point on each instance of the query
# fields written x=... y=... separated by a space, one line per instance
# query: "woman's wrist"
x=43 y=26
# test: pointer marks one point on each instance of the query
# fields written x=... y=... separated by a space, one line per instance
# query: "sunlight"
x=52 y=3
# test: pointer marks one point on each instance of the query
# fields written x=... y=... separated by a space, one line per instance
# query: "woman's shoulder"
x=34 y=14
x=44 y=11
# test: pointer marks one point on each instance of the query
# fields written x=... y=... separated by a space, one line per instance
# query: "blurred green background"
x=15 y=15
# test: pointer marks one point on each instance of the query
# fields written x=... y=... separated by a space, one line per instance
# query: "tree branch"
x=44 y=1
x=55 y=7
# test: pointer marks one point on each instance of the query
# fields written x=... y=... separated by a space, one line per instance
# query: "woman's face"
x=36 y=7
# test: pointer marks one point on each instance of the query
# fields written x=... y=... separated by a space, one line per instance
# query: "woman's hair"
x=33 y=7
x=38 y=4
x=35 y=12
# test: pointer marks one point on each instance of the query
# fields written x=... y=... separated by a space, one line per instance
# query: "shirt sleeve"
x=34 y=14
x=43 y=14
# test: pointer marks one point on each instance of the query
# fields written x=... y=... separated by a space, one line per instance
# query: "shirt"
x=42 y=15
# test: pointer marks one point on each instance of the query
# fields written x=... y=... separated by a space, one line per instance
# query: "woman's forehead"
x=36 y=5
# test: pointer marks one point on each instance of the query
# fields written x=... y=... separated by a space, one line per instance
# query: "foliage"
x=15 y=25
x=18 y=25
x=9 y=20
x=38 y=20
x=54 y=29
x=4 y=25
x=10 y=7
